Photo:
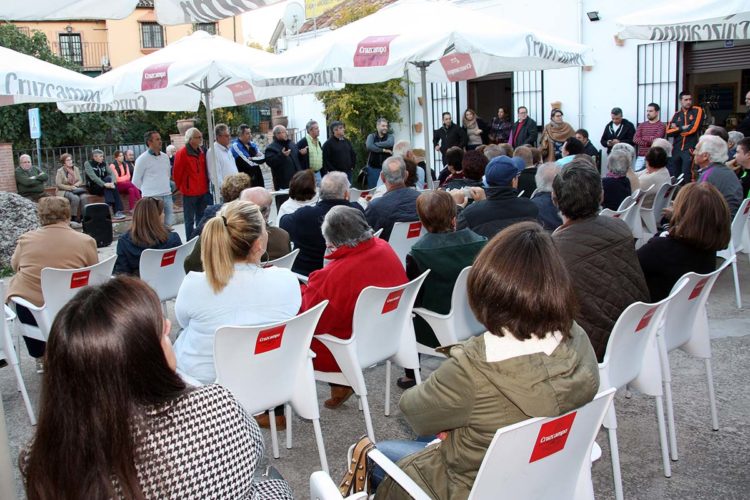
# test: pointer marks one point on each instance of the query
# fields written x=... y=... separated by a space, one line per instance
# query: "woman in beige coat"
x=56 y=245
x=533 y=361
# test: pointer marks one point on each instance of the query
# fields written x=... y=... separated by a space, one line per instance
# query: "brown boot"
x=339 y=395
x=265 y=422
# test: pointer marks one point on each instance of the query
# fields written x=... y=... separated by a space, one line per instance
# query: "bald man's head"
x=261 y=197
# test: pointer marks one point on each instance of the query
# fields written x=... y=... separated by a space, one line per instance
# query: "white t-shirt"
x=254 y=296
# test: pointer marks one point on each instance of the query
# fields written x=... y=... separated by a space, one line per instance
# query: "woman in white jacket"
x=235 y=288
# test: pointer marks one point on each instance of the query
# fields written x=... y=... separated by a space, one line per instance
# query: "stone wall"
x=7 y=168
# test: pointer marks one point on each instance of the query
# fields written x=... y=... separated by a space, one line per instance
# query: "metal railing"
x=90 y=56
x=51 y=156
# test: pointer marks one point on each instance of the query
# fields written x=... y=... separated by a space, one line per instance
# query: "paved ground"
x=711 y=465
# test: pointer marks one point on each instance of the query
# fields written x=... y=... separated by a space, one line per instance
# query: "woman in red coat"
x=357 y=261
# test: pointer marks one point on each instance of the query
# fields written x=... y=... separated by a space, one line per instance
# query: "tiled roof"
x=329 y=17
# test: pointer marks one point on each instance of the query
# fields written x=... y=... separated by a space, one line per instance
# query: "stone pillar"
x=177 y=140
x=7 y=168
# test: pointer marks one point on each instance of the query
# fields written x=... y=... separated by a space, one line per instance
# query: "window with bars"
x=657 y=78
x=528 y=90
x=444 y=99
x=152 y=36
x=71 y=47
x=209 y=28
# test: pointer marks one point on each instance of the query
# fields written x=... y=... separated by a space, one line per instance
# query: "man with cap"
x=497 y=206
x=617 y=130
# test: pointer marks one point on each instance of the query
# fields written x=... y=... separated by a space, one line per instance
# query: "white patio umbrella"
x=693 y=21
x=168 y=12
x=433 y=40
x=25 y=78
x=199 y=67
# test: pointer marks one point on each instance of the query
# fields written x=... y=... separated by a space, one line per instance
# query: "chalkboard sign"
x=716 y=97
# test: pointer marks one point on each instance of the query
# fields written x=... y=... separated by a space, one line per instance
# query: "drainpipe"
x=580 y=69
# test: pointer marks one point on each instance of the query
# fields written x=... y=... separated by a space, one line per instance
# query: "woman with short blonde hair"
x=234 y=289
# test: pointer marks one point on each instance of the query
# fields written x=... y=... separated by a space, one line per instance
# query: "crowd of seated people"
x=544 y=305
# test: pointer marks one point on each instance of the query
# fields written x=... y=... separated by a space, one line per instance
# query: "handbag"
x=357 y=477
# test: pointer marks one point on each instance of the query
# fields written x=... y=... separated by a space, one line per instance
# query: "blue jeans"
x=168 y=209
x=395 y=451
x=373 y=174
x=193 y=208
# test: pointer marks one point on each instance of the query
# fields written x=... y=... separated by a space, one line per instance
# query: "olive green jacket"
x=30 y=182
x=472 y=398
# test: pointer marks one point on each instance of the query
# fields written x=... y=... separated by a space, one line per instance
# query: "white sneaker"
x=75 y=225
x=119 y=216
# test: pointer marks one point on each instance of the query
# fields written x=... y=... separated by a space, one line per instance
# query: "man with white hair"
x=379 y=147
x=549 y=215
x=30 y=181
x=282 y=157
x=278 y=239
x=304 y=224
x=711 y=157
x=398 y=204
x=191 y=177
x=219 y=157
x=734 y=138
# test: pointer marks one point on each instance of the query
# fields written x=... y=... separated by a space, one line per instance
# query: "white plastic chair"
x=632 y=359
x=355 y=194
x=382 y=316
x=164 y=270
x=652 y=216
x=639 y=196
x=58 y=287
x=9 y=352
x=286 y=261
x=273 y=216
x=268 y=365
x=520 y=193
x=624 y=214
x=736 y=244
x=539 y=458
x=686 y=328
x=458 y=325
x=403 y=237
x=377 y=233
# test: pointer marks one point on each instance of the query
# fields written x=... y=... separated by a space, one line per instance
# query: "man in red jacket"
x=191 y=176
x=686 y=126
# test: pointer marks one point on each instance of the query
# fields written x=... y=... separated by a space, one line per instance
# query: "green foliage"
x=359 y=107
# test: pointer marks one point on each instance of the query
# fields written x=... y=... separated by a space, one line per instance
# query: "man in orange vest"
x=685 y=127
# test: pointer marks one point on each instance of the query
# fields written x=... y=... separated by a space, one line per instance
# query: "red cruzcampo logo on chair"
x=552 y=437
x=391 y=302
x=373 y=51
x=698 y=288
x=242 y=92
x=79 y=279
x=168 y=258
x=646 y=319
x=458 y=67
x=269 y=340
x=155 y=76
x=415 y=229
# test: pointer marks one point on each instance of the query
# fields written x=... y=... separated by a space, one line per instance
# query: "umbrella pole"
x=214 y=174
x=427 y=147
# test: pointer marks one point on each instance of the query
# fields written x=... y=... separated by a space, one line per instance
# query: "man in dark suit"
x=448 y=135
x=282 y=157
x=524 y=131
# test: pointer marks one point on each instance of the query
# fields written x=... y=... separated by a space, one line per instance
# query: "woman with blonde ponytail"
x=234 y=289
